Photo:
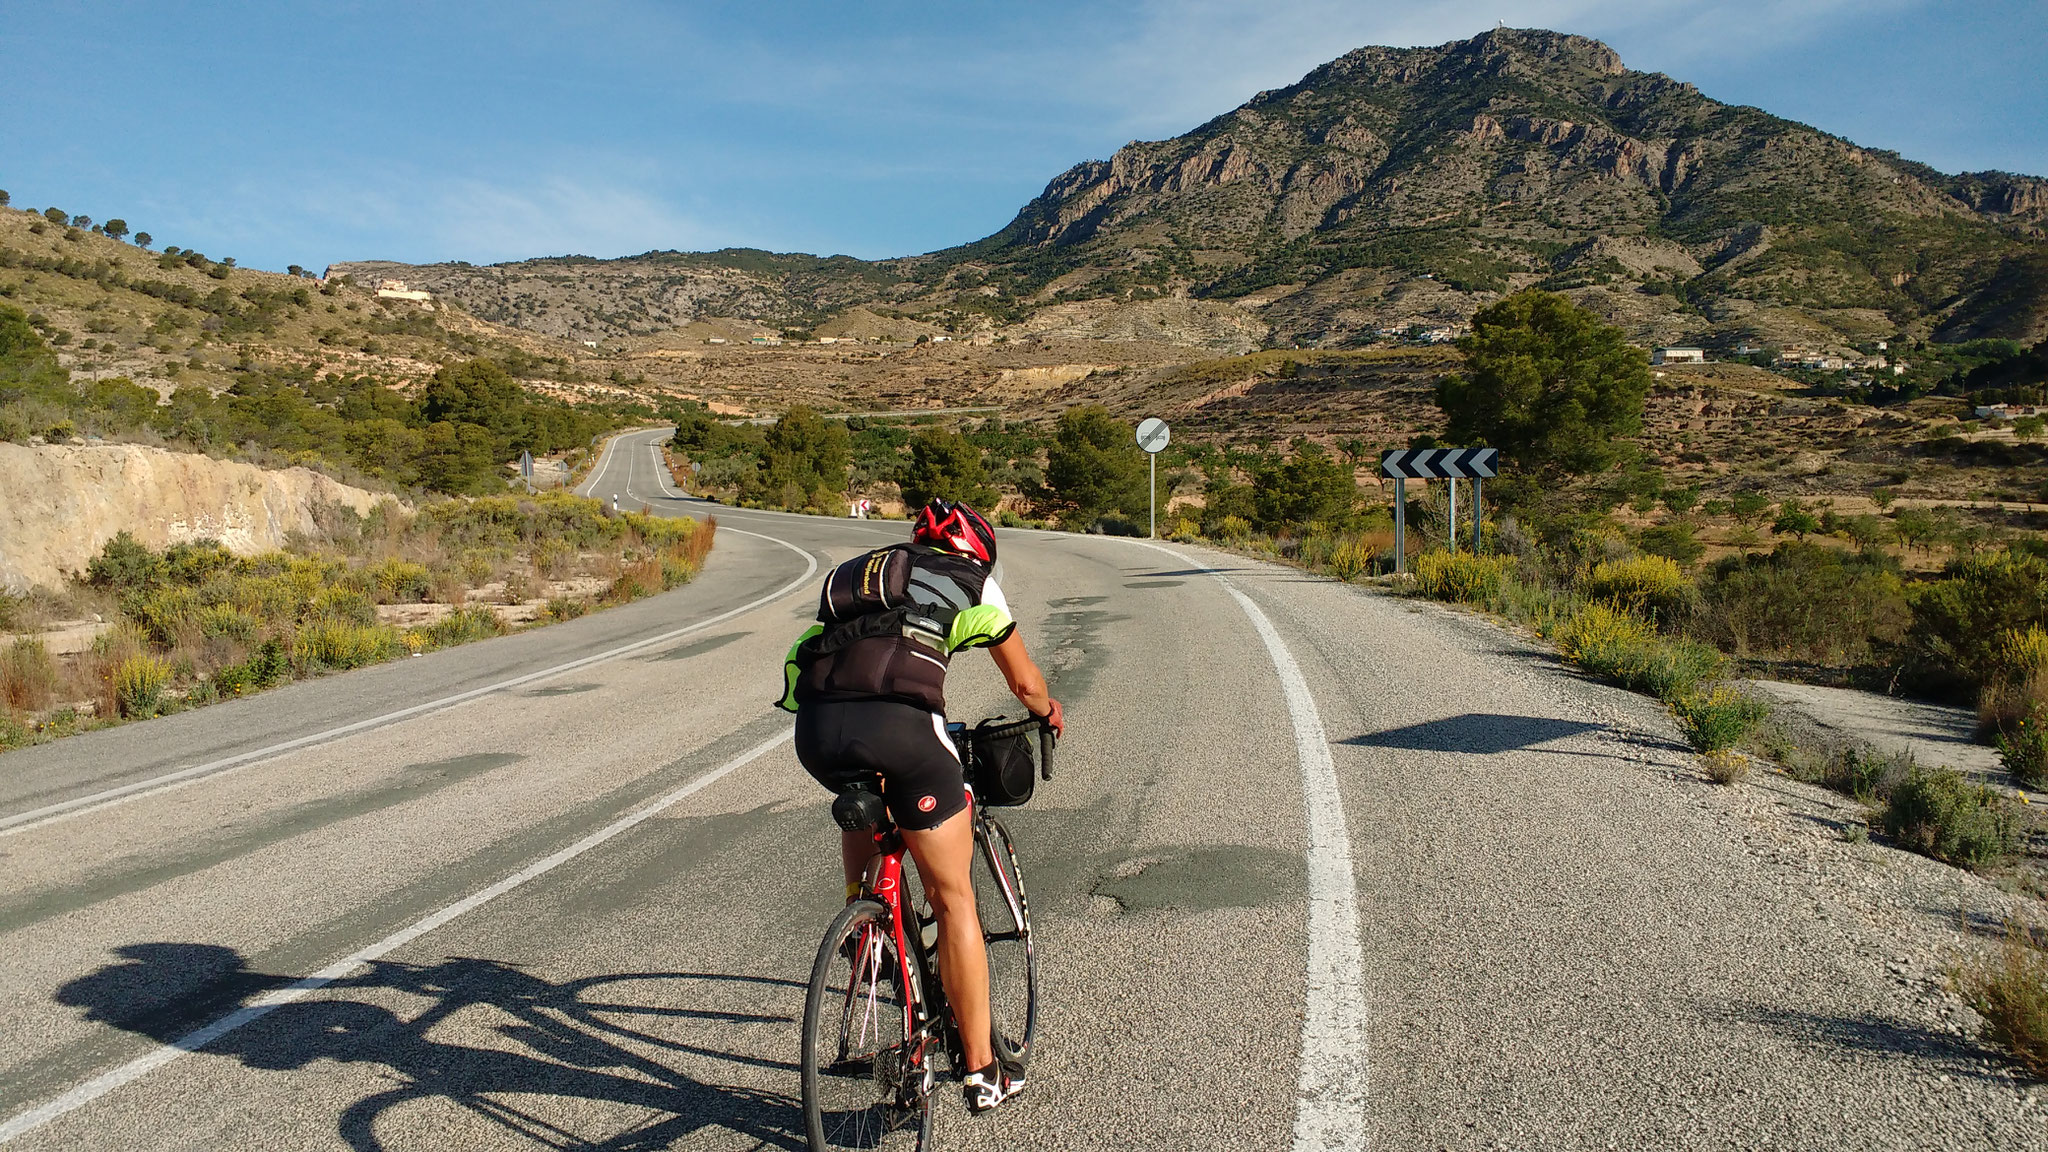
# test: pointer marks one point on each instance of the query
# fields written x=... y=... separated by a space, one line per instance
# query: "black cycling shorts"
x=846 y=742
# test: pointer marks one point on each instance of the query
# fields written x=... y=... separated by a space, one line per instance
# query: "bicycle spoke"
x=863 y=1085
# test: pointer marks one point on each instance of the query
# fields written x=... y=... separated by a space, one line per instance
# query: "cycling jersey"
x=900 y=653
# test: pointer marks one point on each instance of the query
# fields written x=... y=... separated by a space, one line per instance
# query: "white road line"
x=604 y=457
x=263 y=1005
x=1330 y=1110
x=97 y=801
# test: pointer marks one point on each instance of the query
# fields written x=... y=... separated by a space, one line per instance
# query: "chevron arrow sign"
x=1440 y=463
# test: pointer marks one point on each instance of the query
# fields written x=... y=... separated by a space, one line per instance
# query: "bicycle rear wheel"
x=1006 y=927
x=866 y=1084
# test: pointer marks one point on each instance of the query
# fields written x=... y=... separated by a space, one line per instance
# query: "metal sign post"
x=1152 y=436
x=1453 y=464
x=1452 y=535
x=526 y=468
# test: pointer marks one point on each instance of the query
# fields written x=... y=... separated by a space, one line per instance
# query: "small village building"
x=1678 y=356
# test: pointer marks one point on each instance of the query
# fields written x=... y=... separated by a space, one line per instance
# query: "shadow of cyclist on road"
x=610 y=1039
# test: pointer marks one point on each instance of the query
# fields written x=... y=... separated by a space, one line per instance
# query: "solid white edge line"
x=98 y=801
x=256 y=1009
x=1330 y=1113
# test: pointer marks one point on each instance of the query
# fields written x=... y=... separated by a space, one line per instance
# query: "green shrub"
x=1940 y=814
x=1717 y=721
x=269 y=664
x=343 y=604
x=1461 y=576
x=124 y=564
x=403 y=582
x=340 y=644
x=567 y=607
x=1959 y=621
x=1233 y=528
x=1651 y=586
x=163 y=613
x=1675 y=541
x=1807 y=602
x=1598 y=627
x=2023 y=746
x=225 y=621
x=139 y=683
x=473 y=622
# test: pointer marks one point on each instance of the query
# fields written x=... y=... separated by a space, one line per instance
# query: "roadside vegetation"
x=454 y=435
x=193 y=624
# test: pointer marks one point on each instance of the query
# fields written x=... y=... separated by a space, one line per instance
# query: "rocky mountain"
x=1396 y=187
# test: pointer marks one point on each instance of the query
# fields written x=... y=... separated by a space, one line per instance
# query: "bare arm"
x=1027 y=683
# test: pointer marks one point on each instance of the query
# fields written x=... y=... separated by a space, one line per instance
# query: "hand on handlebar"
x=1054 y=718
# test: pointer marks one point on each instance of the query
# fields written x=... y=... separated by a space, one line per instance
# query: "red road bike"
x=876 y=1018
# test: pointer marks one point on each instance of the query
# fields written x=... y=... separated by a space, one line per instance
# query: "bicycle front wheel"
x=866 y=1079
x=1006 y=928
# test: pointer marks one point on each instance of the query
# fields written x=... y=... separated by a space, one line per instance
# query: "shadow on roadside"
x=578 y=1040
x=1479 y=733
x=1882 y=1037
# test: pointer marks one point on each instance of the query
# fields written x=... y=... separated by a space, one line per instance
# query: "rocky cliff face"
x=63 y=503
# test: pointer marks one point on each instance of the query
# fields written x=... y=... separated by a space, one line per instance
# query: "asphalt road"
x=569 y=900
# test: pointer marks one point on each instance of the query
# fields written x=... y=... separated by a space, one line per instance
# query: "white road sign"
x=1153 y=434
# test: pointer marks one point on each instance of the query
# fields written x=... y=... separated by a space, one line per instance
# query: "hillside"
x=1392 y=188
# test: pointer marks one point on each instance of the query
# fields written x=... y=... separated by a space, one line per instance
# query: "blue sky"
x=280 y=132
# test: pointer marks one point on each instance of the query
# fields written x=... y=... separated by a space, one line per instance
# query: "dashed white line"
x=262 y=1006
x=1331 y=1087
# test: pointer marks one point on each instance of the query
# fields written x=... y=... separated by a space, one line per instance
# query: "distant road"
x=561 y=890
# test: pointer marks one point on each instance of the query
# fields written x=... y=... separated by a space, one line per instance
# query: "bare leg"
x=944 y=855
x=856 y=848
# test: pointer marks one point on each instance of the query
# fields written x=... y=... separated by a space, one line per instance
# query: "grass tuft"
x=1717 y=721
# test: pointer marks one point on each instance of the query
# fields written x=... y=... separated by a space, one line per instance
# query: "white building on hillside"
x=1678 y=356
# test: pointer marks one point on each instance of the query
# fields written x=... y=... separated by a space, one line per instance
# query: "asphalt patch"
x=563 y=690
x=1155 y=583
x=696 y=647
x=1203 y=878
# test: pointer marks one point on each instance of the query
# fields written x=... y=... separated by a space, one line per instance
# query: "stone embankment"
x=60 y=504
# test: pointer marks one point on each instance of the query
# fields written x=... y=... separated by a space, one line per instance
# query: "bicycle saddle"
x=858 y=808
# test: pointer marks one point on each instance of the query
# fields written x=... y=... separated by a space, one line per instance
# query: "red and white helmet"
x=956 y=528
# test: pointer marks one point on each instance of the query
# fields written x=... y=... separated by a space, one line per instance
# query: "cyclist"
x=868 y=690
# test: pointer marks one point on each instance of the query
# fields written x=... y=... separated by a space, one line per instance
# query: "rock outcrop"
x=59 y=505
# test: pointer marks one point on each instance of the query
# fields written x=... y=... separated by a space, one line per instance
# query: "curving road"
x=1321 y=869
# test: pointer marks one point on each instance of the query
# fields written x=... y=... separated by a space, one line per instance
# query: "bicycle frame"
x=883 y=883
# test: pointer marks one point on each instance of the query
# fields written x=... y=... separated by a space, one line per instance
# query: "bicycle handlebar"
x=1046 y=739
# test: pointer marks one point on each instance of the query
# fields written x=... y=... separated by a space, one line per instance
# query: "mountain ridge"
x=1392 y=187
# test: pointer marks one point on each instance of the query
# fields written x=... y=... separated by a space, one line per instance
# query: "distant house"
x=714 y=339
x=397 y=290
x=2005 y=411
x=940 y=339
x=1872 y=362
x=1747 y=349
x=1678 y=356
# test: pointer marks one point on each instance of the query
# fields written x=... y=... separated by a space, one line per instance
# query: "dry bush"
x=28 y=677
x=2010 y=991
x=1725 y=767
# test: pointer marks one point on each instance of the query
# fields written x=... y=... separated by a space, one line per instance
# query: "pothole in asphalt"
x=1199 y=879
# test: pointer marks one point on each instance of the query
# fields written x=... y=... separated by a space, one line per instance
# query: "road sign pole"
x=1452 y=535
x=1477 y=517
x=1400 y=524
x=1152 y=505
